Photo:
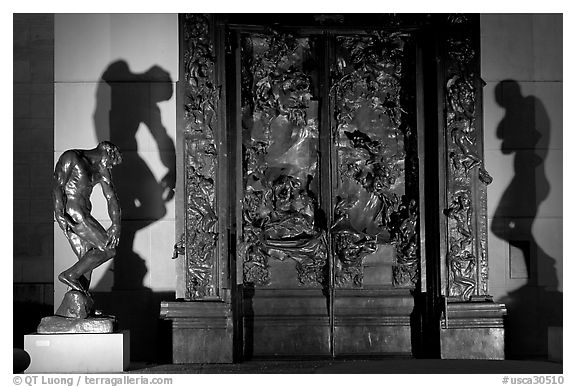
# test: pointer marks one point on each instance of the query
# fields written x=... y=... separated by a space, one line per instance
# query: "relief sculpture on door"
x=375 y=138
x=280 y=128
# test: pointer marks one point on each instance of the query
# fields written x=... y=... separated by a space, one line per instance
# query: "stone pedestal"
x=78 y=352
x=472 y=330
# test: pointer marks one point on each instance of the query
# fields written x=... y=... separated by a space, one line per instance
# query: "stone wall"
x=33 y=130
x=522 y=66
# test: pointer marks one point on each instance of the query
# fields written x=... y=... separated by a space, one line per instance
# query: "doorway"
x=328 y=189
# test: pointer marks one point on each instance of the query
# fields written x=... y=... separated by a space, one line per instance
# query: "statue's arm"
x=113 y=209
x=61 y=176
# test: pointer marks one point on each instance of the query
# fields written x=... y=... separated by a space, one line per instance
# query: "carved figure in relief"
x=200 y=207
x=462 y=264
x=280 y=224
x=293 y=214
x=351 y=245
x=403 y=225
x=290 y=230
x=467 y=156
x=461 y=96
x=75 y=175
x=461 y=211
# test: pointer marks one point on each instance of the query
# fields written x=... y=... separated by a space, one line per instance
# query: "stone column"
x=202 y=321
x=472 y=325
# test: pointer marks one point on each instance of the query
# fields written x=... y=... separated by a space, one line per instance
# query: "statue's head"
x=111 y=155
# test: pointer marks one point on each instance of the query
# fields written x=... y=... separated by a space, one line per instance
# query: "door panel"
x=284 y=245
x=313 y=288
x=375 y=212
x=280 y=142
x=375 y=217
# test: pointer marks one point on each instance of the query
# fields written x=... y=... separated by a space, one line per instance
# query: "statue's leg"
x=80 y=248
x=90 y=242
x=91 y=232
x=91 y=260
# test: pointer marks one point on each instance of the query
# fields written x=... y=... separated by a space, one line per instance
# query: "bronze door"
x=328 y=202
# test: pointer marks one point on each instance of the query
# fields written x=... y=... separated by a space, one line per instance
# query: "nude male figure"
x=75 y=175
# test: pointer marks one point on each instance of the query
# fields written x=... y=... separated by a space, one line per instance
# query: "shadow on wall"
x=525 y=132
x=124 y=101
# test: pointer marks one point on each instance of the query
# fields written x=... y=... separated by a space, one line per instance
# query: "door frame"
x=450 y=79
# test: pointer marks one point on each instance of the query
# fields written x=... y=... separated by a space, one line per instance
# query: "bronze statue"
x=75 y=175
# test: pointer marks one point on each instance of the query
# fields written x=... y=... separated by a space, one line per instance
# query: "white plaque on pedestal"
x=78 y=352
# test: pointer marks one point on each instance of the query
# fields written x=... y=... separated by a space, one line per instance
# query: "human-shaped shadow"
x=127 y=101
x=525 y=132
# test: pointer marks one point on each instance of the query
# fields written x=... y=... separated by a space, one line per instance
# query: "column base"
x=202 y=331
x=472 y=330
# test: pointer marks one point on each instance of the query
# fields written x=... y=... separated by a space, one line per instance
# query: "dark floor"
x=364 y=366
